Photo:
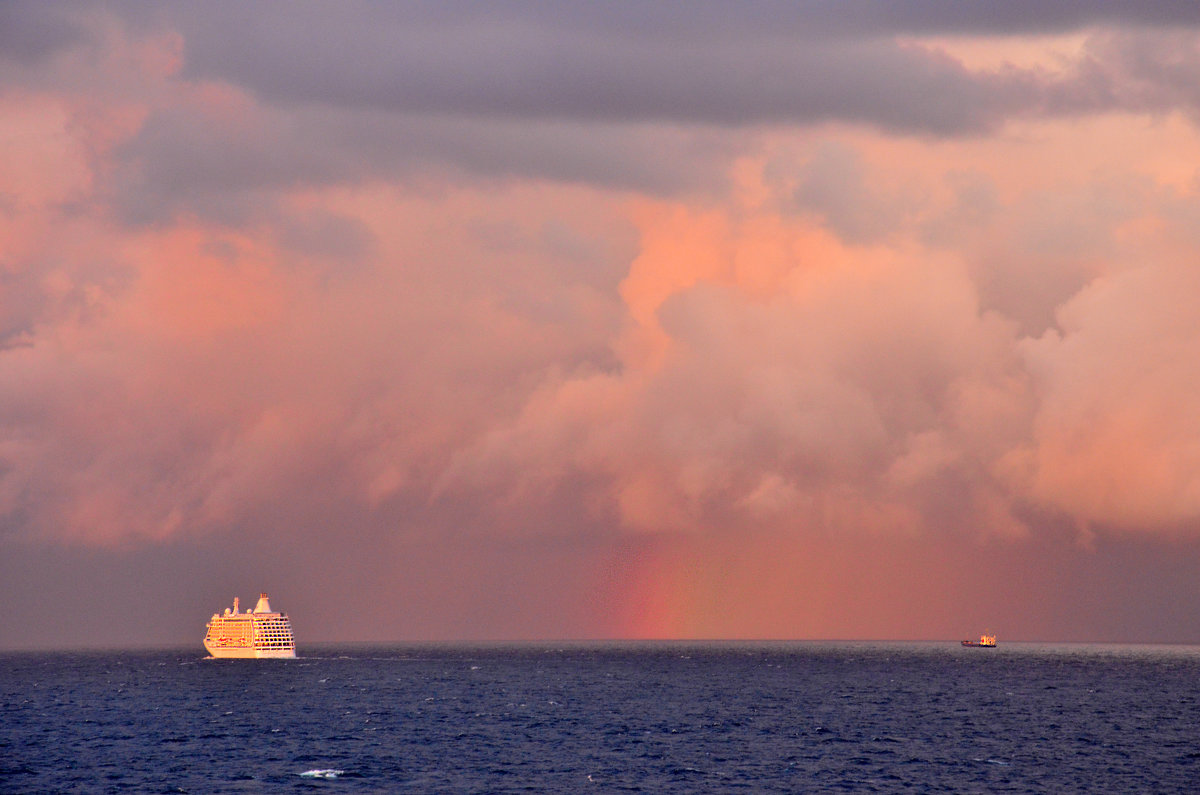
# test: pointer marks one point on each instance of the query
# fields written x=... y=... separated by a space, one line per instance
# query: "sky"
x=449 y=322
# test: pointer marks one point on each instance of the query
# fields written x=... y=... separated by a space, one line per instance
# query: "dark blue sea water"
x=786 y=717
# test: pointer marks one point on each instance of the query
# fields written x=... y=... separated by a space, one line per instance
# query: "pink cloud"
x=1115 y=441
x=225 y=312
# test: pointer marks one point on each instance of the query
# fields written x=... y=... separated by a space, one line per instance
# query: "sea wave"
x=323 y=773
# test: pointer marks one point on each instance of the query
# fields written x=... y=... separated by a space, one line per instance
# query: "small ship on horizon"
x=984 y=642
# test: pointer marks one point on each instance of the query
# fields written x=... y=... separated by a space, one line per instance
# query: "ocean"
x=611 y=717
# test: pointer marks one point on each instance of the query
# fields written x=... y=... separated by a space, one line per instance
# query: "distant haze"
x=441 y=321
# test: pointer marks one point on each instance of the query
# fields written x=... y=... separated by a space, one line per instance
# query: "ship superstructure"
x=985 y=642
x=256 y=633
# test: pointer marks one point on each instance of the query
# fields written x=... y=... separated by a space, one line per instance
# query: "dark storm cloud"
x=184 y=160
x=720 y=64
x=667 y=23
x=692 y=63
x=631 y=97
x=32 y=32
x=643 y=97
x=519 y=66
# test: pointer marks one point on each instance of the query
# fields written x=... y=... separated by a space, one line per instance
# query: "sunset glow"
x=784 y=321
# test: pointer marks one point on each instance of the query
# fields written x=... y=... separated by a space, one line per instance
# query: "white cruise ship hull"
x=252 y=654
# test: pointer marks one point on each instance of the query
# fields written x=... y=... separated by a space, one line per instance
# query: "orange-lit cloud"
x=714 y=344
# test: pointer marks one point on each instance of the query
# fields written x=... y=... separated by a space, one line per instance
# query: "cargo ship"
x=984 y=642
x=256 y=634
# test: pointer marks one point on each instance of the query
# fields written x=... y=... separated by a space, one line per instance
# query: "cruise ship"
x=255 y=634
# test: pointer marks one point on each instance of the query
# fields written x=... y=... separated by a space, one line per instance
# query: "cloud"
x=714 y=65
x=184 y=160
x=832 y=183
x=1115 y=442
x=224 y=372
x=794 y=409
x=596 y=282
x=230 y=106
x=521 y=66
x=31 y=34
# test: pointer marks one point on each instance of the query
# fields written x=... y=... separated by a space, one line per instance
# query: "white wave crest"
x=323 y=773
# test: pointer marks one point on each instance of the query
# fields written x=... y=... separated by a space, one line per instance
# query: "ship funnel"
x=263 y=606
